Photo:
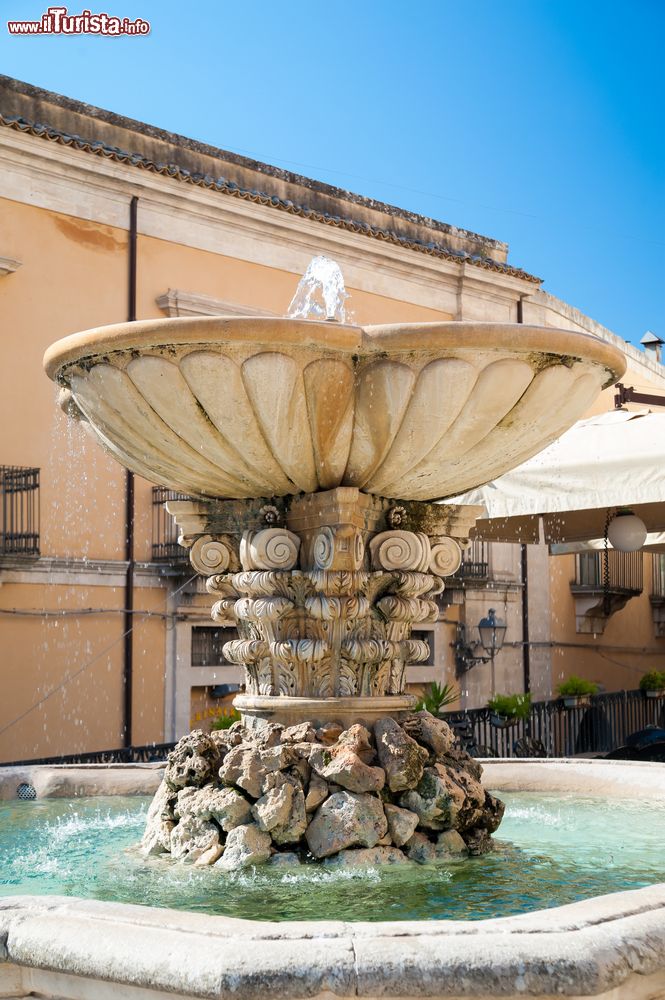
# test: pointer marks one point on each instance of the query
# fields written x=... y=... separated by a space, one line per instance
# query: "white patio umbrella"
x=602 y=463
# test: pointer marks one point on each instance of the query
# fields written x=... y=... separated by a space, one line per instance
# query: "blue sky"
x=538 y=122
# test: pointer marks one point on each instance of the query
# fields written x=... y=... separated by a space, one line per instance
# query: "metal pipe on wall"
x=128 y=659
x=526 y=656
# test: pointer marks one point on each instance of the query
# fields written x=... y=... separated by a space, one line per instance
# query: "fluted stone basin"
x=247 y=407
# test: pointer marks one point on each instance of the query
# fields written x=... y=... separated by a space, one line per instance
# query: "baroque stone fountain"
x=315 y=450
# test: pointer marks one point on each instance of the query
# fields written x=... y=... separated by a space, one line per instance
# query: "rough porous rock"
x=286 y=795
x=341 y=765
x=420 y=849
x=346 y=819
x=293 y=828
x=245 y=846
x=400 y=756
x=302 y=733
x=467 y=796
x=273 y=808
x=450 y=844
x=431 y=801
x=269 y=735
x=281 y=812
x=192 y=837
x=358 y=739
x=329 y=733
x=193 y=761
x=402 y=823
x=429 y=731
x=243 y=767
x=492 y=813
x=283 y=859
x=226 y=806
x=365 y=857
x=478 y=841
x=317 y=792
x=159 y=822
x=224 y=739
x=278 y=758
x=209 y=857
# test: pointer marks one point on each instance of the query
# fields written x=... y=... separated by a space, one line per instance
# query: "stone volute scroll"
x=210 y=555
x=271 y=548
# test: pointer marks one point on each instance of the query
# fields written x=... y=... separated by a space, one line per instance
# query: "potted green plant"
x=226 y=719
x=436 y=696
x=653 y=683
x=576 y=691
x=507 y=709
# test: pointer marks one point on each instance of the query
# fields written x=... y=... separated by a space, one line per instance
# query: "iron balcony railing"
x=626 y=571
x=475 y=562
x=658 y=575
x=19 y=528
x=600 y=726
x=165 y=547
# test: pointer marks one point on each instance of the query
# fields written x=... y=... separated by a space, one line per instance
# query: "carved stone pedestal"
x=325 y=589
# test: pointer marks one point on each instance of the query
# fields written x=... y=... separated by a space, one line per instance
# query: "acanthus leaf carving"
x=262 y=608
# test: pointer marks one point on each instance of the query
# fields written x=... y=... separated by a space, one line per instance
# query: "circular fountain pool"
x=551 y=850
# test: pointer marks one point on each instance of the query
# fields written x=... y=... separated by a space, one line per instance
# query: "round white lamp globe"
x=626 y=532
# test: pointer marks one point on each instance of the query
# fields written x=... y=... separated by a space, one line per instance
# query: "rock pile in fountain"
x=277 y=795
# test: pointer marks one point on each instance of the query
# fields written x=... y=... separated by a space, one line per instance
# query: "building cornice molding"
x=175 y=302
x=637 y=357
x=59 y=179
x=58 y=571
x=8 y=265
x=272 y=202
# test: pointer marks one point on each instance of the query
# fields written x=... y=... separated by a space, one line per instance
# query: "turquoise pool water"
x=550 y=850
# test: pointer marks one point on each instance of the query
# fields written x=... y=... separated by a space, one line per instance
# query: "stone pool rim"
x=68 y=947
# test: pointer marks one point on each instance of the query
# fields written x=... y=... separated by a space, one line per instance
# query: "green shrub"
x=576 y=687
x=226 y=720
x=435 y=697
x=653 y=681
x=513 y=706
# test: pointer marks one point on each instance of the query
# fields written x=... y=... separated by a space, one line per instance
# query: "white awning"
x=613 y=460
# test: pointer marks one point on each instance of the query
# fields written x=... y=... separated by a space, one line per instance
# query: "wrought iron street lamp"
x=492 y=632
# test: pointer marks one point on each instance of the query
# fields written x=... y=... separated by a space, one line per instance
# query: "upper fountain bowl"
x=249 y=407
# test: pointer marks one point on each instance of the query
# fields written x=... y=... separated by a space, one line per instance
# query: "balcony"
x=596 y=598
x=165 y=547
x=19 y=524
x=657 y=595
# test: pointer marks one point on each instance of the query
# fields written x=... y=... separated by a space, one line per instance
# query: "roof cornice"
x=227 y=187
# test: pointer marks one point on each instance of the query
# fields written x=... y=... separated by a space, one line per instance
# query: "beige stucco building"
x=82 y=610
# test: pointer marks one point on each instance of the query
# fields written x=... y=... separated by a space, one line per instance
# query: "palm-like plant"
x=436 y=696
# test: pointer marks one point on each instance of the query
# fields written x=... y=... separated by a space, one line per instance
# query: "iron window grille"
x=658 y=578
x=626 y=571
x=208 y=645
x=19 y=529
x=165 y=547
